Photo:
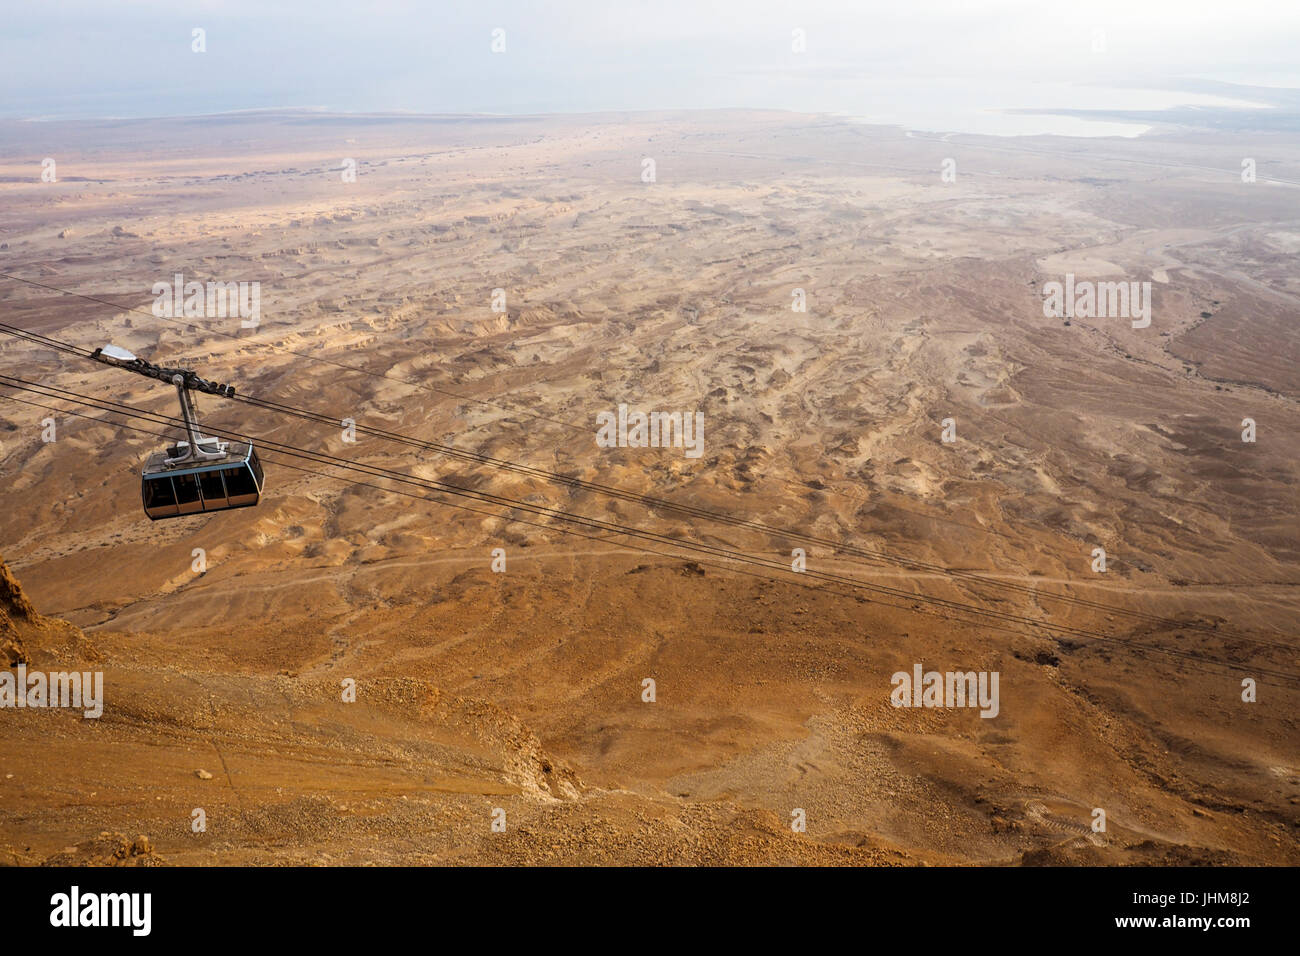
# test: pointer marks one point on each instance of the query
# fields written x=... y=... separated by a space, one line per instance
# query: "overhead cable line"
x=593 y=524
x=662 y=504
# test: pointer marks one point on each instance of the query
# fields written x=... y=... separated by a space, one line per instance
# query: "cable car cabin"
x=195 y=487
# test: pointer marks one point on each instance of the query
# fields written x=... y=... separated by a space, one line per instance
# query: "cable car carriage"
x=231 y=479
x=198 y=474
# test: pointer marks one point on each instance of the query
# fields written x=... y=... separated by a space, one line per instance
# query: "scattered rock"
x=107 y=849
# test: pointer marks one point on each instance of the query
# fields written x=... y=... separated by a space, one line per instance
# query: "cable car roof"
x=237 y=454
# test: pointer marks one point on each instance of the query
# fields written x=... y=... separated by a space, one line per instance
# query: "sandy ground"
x=522 y=691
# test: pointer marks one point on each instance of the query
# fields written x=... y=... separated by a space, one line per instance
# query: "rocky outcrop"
x=24 y=632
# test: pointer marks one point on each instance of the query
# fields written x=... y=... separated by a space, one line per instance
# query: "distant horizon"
x=940 y=65
x=1238 y=98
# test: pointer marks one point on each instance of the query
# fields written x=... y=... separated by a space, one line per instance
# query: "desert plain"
x=494 y=284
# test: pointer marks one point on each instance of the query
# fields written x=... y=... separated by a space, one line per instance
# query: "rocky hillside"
x=26 y=635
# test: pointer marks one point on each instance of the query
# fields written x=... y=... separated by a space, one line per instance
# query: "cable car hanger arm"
x=198 y=446
x=121 y=358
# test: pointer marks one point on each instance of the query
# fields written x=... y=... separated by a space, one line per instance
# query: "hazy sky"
x=133 y=57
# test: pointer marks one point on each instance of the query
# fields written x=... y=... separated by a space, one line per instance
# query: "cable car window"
x=158 y=492
x=239 y=482
x=187 y=489
x=257 y=468
x=214 y=492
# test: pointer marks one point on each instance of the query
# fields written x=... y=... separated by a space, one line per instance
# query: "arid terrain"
x=521 y=690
